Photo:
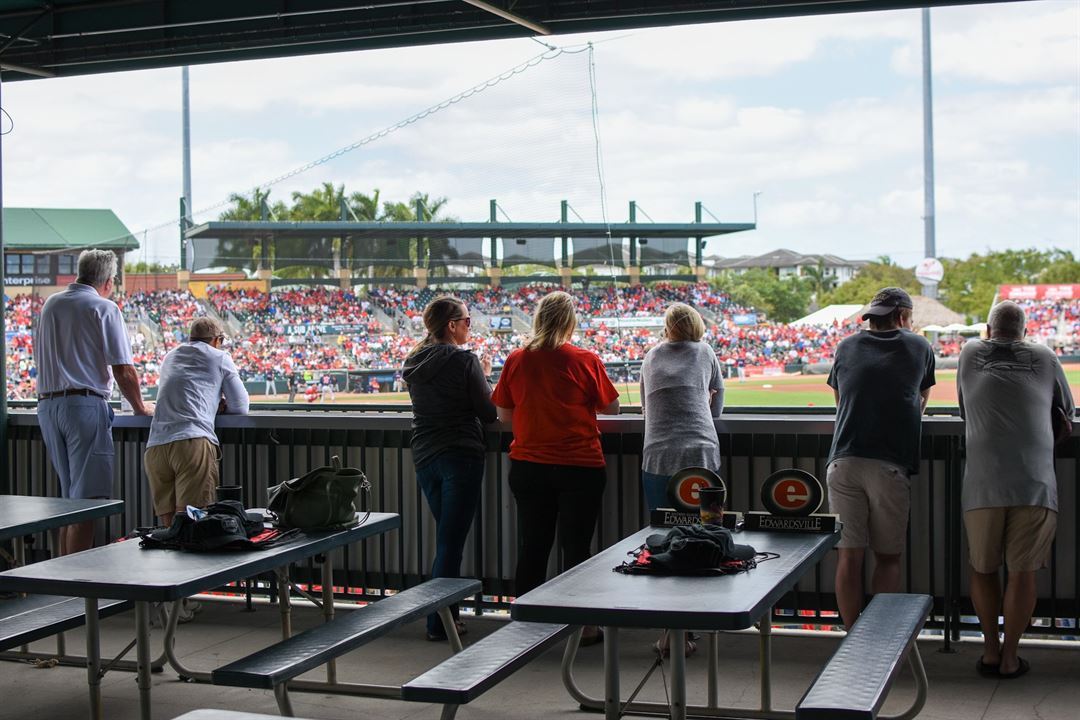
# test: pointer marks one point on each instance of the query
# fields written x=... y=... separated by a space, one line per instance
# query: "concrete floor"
x=225 y=631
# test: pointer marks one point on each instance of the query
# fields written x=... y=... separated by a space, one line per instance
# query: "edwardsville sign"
x=791 y=523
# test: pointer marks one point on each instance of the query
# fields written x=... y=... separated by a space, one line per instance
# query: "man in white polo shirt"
x=198 y=381
x=81 y=346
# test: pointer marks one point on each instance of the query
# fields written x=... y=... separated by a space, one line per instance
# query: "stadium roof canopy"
x=58 y=228
x=407 y=230
x=79 y=37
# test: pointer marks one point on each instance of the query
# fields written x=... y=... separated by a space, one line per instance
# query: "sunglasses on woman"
x=466 y=320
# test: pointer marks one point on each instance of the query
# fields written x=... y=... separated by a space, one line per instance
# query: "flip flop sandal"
x=1021 y=669
x=986 y=669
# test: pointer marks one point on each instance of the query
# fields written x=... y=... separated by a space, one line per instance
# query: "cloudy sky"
x=822 y=116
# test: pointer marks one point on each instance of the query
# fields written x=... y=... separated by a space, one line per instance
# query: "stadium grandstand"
x=313 y=331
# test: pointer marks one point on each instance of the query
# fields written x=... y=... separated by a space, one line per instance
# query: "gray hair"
x=1007 y=320
x=97 y=267
x=204 y=328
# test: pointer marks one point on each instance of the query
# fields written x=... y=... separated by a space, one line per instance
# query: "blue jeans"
x=655 y=487
x=451 y=484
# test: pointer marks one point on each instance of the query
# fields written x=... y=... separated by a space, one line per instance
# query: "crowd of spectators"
x=309 y=332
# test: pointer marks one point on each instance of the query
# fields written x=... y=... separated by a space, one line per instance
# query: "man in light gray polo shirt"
x=198 y=381
x=1009 y=392
x=80 y=347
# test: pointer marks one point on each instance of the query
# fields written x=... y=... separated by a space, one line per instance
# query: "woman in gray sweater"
x=682 y=394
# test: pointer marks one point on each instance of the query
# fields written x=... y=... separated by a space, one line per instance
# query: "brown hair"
x=553 y=323
x=682 y=322
x=437 y=316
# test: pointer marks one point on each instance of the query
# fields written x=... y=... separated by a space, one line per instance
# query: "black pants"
x=566 y=497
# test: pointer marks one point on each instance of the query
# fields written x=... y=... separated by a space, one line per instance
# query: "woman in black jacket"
x=451 y=399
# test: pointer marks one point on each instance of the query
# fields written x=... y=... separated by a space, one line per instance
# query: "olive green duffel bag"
x=324 y=499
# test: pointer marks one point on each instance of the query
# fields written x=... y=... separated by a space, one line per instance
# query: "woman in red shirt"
x=551 y=392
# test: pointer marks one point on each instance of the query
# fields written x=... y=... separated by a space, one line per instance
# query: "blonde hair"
x=682 y=322
x=553 y=323
x=437 y=316
x=205 y=329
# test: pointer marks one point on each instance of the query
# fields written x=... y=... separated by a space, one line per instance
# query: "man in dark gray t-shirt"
x=881 y=378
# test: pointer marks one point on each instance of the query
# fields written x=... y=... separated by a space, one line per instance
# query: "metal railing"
x=267 y=447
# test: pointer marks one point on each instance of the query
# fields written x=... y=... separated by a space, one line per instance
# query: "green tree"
x=819 y=280
x=142 y=268
x=868 y=280
x=250 y=207
x=1065 y=269
x=782 y=299
x=969 y=285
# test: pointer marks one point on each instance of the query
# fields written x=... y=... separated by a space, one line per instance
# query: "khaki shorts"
x=1022 y=536
x=182 y=473
x=872 y=498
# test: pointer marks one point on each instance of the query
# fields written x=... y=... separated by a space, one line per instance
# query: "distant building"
x=42 y=245
x=787 y=263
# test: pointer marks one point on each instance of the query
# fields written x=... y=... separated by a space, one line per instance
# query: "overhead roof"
x=78 y=37
x=59 y=228
x=404 y=230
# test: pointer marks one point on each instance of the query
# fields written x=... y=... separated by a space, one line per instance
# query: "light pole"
x=759 y=192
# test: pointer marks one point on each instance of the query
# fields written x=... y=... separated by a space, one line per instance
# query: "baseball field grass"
x=779 y=391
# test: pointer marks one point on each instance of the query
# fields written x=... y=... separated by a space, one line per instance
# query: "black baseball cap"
x=887 y=301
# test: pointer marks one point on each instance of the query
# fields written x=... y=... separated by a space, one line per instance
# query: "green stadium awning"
x=80 y=37
x=58 y=228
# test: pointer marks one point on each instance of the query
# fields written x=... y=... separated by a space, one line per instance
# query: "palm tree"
x=820 y=281
x=253 y=208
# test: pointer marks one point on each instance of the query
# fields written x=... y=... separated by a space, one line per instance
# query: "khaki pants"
x=182 y=473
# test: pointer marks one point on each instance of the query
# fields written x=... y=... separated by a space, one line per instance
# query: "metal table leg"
x=328 y=607
x=713 y=649
x=284 y=601
x=611 y=673
x=678 y=674
x=20 y=559
x=142 y=649
x=765 y=657
x=54 y=548
x=93 y=657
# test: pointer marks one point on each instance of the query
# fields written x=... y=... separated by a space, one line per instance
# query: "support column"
x=265 y=275
x=567 y=275
x=345 y=279
x=421 y=275
x=183 y=279
x=495 y=275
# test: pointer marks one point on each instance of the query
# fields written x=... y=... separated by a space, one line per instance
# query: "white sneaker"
x=188 y=609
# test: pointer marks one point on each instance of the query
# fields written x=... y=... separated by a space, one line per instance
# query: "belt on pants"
x=66 y=393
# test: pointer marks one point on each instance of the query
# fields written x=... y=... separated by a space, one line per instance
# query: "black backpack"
x=226 y=526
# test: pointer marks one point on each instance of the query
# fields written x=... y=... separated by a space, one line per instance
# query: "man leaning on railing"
x=80 y=336
x=1012 y=393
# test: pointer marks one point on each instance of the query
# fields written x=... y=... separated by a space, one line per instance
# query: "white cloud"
x=841 y=171
x=1014 y=43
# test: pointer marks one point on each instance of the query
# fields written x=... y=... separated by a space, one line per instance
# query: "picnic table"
x=26 y=514
x=22 y=515
x=125 y=571
x=591 y=594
